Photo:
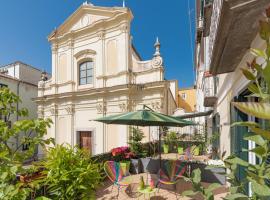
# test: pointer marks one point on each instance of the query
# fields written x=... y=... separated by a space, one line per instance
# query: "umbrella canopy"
x=145 y=117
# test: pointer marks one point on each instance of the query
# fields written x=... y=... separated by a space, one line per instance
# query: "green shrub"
x=135 y=142
x=70 y=173
x=30 y=132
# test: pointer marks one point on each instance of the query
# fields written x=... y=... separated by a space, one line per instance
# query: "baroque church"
x=96 y=71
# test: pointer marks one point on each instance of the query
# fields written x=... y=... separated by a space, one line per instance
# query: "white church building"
x=97 y=72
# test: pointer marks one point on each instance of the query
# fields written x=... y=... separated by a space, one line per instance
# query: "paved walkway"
x=107 y=191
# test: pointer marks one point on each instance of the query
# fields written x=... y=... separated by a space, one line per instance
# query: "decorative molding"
x=70 y=43
x=85 y=53
x=101 y=35
x=54 y=47
x=70 y=109
x=101 y=108
x=156 y=105
x=85 y=21
x=53 y=110
x=157 y=62
x=113 y=75
x=40 y=113
x=124 y=28
x=123 y=107
x=62 y=84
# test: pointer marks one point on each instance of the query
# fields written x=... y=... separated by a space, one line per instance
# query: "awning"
x=196 y=114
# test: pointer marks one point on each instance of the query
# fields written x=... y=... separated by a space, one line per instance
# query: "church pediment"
x=88 y=15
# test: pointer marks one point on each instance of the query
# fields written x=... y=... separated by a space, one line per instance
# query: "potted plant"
x=136 y=147
x=180 y=149
x=166 y=144
x=122 y=155
x=173 y=140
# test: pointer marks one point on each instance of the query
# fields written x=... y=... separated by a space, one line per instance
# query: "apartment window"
x=86 y=73
x=184 y=96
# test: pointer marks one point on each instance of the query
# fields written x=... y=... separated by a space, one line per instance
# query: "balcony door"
x=86 y=140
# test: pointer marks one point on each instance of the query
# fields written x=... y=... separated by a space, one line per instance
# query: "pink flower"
x=122 y=151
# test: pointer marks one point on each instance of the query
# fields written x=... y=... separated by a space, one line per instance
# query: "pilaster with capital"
x=101 y=108
x=54 y=48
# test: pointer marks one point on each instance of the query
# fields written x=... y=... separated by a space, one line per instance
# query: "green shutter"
x=237 y=135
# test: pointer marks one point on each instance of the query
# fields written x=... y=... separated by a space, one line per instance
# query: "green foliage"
x=171 y=138
x=12 y=138
x=70 y=174
x=198 y=188
x=135 y=142
x=256 y=174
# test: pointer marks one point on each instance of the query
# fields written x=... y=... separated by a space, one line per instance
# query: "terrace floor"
x=108 y=191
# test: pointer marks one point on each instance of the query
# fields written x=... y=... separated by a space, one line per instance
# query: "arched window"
x=86 y=73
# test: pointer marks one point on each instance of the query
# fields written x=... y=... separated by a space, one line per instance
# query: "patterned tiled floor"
x=107 y=191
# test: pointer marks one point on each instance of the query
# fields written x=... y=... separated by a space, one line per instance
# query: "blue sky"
x=25 y=25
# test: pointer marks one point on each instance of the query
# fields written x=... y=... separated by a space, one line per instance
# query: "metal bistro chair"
x=172 y=172
x=116 y=175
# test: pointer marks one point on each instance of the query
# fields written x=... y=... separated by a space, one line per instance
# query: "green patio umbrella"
x=146 y=117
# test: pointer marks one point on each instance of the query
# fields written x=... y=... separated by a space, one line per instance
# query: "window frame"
x=87 y=76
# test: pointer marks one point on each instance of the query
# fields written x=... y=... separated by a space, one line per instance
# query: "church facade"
x=97 y=72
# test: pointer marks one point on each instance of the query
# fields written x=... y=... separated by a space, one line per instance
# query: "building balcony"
x=209 y=90
x=210 y=98
x=234 y=25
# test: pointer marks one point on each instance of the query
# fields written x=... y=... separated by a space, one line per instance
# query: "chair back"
x=173 y=170
x=113 y=171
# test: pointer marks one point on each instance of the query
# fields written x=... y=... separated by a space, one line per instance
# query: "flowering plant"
x=121 y=153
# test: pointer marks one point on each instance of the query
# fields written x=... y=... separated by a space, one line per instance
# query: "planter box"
x=143 y=164
x=153 y=166
x=125 y=166
x=213 y=175
x=134 y=167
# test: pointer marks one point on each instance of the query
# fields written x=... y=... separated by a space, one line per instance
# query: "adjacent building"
x=96 y=71
x=22 y=79
x=187 y=99
x=226 y=30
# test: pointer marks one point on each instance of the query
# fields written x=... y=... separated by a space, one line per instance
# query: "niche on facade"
x=112 y=57
x=62 y=68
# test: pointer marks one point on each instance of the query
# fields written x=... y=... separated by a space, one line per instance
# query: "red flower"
x=123 y=152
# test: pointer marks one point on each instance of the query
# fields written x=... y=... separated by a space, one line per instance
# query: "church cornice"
x=104 y=91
